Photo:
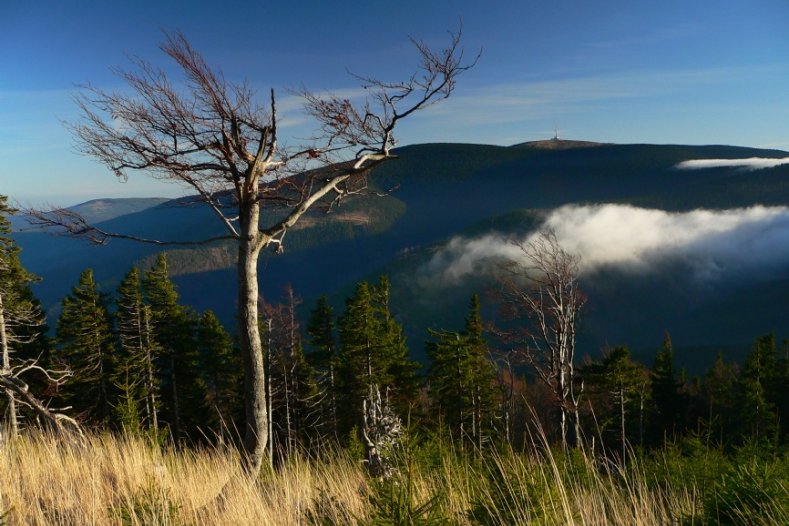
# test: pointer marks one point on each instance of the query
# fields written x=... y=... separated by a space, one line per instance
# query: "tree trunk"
x=369 y=364
x=256 y=427
x=292 y=398
x=104 y=409
x=288 y=406
x=176 y=430
x=459 y=398
x=150 y=394
x=12 y=420
x=333 y=400
x=563 y=426
x=577 y=428
x=622 y=423
x=269 y=353
x=473 y=416
x=561 y=395
x=478 y=411
x=509 y=406
x=641 y=417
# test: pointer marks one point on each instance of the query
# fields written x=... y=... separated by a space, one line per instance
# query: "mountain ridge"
x=443 y=190
x=558 y=144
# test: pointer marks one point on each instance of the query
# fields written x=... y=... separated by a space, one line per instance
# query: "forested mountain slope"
x=440 y=191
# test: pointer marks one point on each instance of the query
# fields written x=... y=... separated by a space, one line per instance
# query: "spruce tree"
x=666 y=400
x=780 y=395
x=323 y=357
x=294 y=404
x=136 y=375
x=618 y=385
x=450 y=379
x=304 y=385
x=757 y=415
x=221 y=373
x=300 y=378
x=462 y=378
x=85 y=345
x=405 y=382
x=174 y=328
x=22 y=324
x=717 y=392
x=372 y=351
x=359 y=334
x=30 y=334
x=484 y=400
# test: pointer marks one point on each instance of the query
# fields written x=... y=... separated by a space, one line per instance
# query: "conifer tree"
x=359 y=333
x=756 y=413
x=174 y=328
x=304 y=385
x=619 y=385
x=221 y=373
x=136 y=375
x=462 y=378
x=484 y=394
x=403 y=391
x=294 y=404
x=84 y=335
x=22 y=324
x=781 y=392
x=665 y=393
x=323 y=357
x=300 y=378
x=717 y=392
x=372 y=352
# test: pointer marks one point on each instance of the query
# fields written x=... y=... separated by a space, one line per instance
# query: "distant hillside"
x=100 y=210
x=439 y=191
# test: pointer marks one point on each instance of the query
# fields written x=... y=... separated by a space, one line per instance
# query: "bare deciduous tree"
x=15 y=389
x=5 y=347
x=216 y=140
x=542 y=287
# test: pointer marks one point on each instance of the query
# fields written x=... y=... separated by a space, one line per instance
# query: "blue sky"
x=691 y=72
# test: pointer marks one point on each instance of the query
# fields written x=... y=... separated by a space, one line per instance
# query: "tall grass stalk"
x=126 y=480
x=123 y=480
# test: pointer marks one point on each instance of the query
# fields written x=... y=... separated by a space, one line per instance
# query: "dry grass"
x=126 y=481
x=121 y=480
x=549 y=491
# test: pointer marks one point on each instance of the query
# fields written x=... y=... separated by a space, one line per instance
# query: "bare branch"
x=58 y=423
x=211 y=137
x=338 y=174
x=70 y=223
x=369 y=127
x=542 y=289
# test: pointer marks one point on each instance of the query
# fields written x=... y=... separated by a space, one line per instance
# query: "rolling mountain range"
x=673 y=238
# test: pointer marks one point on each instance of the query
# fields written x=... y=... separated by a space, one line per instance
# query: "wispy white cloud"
x=525 y=101
x=636 y=239
x=750 y=163
x=657 y=35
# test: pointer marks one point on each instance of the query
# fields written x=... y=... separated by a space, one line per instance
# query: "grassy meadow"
x=124 y=480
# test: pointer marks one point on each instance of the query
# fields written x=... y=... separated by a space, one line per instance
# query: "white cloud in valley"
x=750 y=163
x=711 y=242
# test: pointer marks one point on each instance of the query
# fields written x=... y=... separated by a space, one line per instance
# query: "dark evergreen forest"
x=143 y=362
x=136 y=362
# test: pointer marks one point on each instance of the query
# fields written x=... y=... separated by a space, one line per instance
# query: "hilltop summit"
x=557 y=144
